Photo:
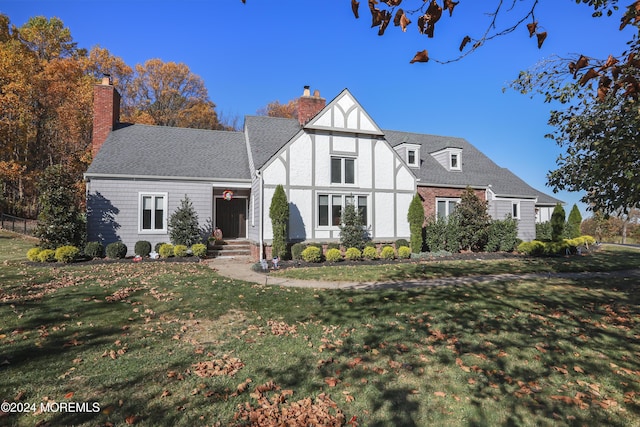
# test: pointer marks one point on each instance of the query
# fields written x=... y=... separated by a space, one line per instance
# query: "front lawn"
x=177 y=345
x=606 y=258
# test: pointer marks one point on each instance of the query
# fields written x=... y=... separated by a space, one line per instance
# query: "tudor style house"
x=332 y=155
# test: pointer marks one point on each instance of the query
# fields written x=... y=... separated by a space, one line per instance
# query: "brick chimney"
x=309 y=106
x=106 y=112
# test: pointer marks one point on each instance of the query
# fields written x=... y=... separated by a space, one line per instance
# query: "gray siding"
x=500 y=208
x=253 y=231
x=113 y=208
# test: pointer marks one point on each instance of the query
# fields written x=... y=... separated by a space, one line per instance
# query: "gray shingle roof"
x=267 y=135
x=477 y=169
x=142 y=150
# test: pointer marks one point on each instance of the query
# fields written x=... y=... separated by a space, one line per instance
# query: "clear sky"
x=265 y=50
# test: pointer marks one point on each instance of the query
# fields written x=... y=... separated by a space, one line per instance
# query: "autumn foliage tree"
x=46 y=100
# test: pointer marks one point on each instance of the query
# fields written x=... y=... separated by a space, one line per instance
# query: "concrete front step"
x=230 y=248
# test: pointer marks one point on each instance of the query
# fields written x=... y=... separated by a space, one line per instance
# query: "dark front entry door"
x=231 y=217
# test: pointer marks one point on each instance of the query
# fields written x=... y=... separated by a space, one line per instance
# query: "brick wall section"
x=106 y=114
x=429 y=195
x=309 y=106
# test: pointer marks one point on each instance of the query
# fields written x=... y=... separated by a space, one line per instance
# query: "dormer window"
x=450 y=158
x=410 y=153
x=455 y=161
x=412 y=158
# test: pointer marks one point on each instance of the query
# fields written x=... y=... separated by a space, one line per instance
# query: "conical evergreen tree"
x=573 y=223
x=279 y=214
x=184 y=228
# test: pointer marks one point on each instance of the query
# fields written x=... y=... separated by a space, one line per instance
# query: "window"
x=455 y=161
x=445 y=207
x=412 y=158
x=153 y=208
x=343 y=170
x=330 y=208
x=515 y=210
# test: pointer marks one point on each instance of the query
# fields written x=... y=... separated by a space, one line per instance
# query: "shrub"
x=557 y=222
x=352 y=233
x=157 y=246
x=180 y=250
x=67 y=253
x=573 y=223
x=32 y=254
x=166 y=250
x=116 y=250
x=370 y=244
x=387 y=252
x=404 y=252
x=415 y=216
x=296 y=250
x=473 y=220
x=401 y=242
x=543 y=230
x=353 y=254
x=370 y=252
x=47 y=255
x=183 y=224
x=279 y=214
x=503 y=235
x=534 y=247
x=312 y=254
x=199 y=250
x=333 y=255
x=94 y=250
x=142 y=248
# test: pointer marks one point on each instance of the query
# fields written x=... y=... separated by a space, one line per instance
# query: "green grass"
x=608 y=258
x=127 y=336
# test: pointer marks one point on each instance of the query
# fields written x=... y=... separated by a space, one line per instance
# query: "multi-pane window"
x=330 y=208
x=411 y=157
x=343 y=170
x=455 y=161
x=153 y=209
x=445 y=207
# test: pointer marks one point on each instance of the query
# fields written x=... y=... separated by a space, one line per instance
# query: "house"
x=332 y=155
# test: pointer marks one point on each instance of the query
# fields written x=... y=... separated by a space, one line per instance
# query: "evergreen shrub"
x=166 y=250
x=32 y=254
x=180 y=250
x=353 y=254
x=47 y=255
x=370 y=252
x=116 y=250
x=296 y=250
x=66 y=253
x=94 y=250
x=404 y=252
x=387 y=252
x=142 y=248
x=199 y=250
x=333 y=255
x=312 y=254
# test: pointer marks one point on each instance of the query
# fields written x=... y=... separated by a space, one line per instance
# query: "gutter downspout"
x=261 y=215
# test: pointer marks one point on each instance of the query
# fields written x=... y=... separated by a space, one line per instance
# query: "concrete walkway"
x=240 y=268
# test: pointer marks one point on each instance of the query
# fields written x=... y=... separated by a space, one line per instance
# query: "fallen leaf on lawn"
x=440 y=393
x=131 y=419
x=165 y=393
x=331 y=382
x=578 y=369
x=68 y=395
x=19 y=396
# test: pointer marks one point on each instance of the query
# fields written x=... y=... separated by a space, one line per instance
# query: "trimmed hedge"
x=32 y=254
x=142 y=248
x=66 y=253
x=353 y=254
x=539 y=248
x=166 y=250
x=402 y=242
x=199 y=250
x=180 y=250
x=404 y=252
x=312 y=254
x=370 y=252
x=47 y=255
x=333 y=255
x=116 y=250
x=94 y=250
x=387 y=252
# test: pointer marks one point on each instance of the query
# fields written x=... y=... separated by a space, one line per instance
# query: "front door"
x=231 y=217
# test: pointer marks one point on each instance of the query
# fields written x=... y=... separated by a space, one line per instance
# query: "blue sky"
x=265 y=50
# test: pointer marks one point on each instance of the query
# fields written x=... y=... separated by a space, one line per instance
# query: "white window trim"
x=343 y=196
x=416 y=157
x=458 y=154
x=517 y=206
x=446 y=199
x=165 y=204
x=342 y=171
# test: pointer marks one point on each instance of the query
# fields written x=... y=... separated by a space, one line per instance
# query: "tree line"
x=46 y=102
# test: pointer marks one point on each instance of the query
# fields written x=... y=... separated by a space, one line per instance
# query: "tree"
x=573 y=223
x=184 y=228
x=279 y=214
x=48 y=38
x=172 y=95
x=415 y=216
x=276 y=109
x=557 y=223
x=60 y=221
x=352 y=234
x=473 y=220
